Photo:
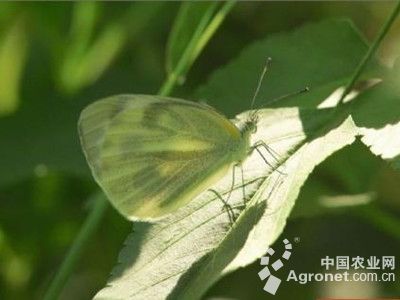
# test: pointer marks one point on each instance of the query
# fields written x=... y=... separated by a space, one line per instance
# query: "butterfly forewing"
x=152 y=154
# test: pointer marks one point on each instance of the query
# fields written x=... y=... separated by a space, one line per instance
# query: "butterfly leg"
x=243 y=186
x=240 y=206
x=233 y=181
x=229 y=210
x=270 y=151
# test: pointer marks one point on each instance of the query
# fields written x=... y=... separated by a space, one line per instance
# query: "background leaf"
x=379 y=120
x=335 y=47
x=42 y=132
x=30 y=144
x=88 y=55
x=13 y=49
x=329 y=183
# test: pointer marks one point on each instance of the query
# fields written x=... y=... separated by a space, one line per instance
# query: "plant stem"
x=205 y=30
x=211 y=29
x=184 y=61
x=370 y=52
x=88 y=228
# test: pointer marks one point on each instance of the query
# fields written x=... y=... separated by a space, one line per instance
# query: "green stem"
x=211 y=29
x=370 y=52
x=184 y=61
x=88 y=228
x=205 y=30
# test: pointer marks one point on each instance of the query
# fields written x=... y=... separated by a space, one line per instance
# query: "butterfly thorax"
x=243 y=145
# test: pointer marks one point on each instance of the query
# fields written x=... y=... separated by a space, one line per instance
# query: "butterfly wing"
x=152 y=154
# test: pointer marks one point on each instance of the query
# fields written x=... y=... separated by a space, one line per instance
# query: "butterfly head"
x=250 y=126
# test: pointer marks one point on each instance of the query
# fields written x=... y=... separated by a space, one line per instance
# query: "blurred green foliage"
x=57 y=57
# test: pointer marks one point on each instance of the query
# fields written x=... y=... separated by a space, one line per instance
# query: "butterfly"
x=151 y=155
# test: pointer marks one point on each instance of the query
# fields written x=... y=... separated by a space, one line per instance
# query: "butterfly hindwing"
x=152 y=154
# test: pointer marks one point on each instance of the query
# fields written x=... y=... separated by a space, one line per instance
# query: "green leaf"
x=321 y=143
x=87 y=55
x=386 y=221
x=321 y=56
x=13 y=49
x=376 y=114
x=83 y=22
x=188 y=251
x=344 y=180
x=38 y=138
x=42 y=133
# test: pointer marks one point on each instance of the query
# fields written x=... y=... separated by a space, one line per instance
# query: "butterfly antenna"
x=304 y=90
x=264 y=71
